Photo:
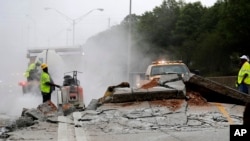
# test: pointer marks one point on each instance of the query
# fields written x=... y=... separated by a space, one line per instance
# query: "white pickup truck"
x=158 y=68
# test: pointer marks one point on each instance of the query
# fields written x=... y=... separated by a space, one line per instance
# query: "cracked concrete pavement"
x=173 y=119
x=151 y=120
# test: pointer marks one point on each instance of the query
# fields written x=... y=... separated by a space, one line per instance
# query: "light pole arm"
x=83 y=16
x=73 y=21
x=59 y=12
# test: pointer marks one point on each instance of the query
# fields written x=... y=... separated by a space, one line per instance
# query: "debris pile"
x=44 y=112
x=195 y=98
x=151 y=116
x=151 y=84
x=68 y=108
x=172 y=104
x=47 y=108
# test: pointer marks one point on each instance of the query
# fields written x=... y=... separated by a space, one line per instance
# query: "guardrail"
x=226 y=80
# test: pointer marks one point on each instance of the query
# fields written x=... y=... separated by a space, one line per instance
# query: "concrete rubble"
x=179 y=117
x=115 y=121
x=150 y=119
x=44 y=112
x=167 y=115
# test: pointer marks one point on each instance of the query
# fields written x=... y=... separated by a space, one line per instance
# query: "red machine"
x=71 y=92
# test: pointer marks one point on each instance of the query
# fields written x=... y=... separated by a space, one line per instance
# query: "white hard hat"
x=244 y=57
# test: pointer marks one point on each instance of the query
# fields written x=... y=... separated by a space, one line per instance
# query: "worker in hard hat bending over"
x=46 y=83
x=32 y=71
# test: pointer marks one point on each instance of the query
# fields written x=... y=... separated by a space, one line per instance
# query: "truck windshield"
x=161 y=70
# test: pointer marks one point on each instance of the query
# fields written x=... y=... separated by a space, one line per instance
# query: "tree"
x=206 y=38
x=236 y=25
x=186 y=31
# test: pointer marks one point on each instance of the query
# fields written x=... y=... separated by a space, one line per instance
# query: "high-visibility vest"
x=31 y=67
x=245 y=69
x=44 y=78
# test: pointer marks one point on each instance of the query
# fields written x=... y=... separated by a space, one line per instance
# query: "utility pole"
x=129 y=41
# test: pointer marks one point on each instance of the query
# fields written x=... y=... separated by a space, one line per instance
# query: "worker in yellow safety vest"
x=32 y=71
x=46 y=83
x=243 y=79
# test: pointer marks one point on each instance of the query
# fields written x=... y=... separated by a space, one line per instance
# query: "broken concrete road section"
x=157 y=120
x=177 y=111
x=216 y=92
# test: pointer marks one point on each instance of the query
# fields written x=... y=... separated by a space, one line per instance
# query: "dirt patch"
x=172 y=104
x=128 y=104
x=195 y=98
x=151 y=84
x=47 y=108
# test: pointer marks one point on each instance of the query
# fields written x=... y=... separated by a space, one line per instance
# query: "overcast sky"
x=27 y=21
x=25 y=24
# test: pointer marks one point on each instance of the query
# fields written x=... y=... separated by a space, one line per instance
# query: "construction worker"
x=32 y=71
x=46 y=83
x=243 y=79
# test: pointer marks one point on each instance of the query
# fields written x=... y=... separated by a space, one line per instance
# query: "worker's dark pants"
x=46 y=96
x=243 y=88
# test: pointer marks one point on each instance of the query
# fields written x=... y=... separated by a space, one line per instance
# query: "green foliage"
x=209 y=39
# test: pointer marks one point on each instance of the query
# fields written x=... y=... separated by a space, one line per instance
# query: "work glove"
x=237 y=84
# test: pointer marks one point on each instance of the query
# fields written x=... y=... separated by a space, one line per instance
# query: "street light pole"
x=73 y=37
x=73 y=21
x=129 y=40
